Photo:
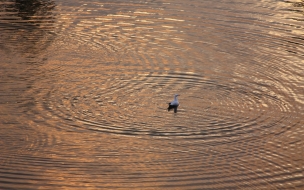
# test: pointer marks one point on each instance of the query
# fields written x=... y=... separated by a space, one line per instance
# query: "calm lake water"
x=85 y=86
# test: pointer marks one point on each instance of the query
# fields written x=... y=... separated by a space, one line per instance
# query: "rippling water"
x=85 y=86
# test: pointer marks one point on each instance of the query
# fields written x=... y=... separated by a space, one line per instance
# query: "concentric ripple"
x=209 y=110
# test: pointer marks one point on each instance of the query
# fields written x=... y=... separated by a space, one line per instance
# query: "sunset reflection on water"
x=85 y=87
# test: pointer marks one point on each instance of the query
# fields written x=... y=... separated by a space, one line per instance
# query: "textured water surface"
x=84 y=87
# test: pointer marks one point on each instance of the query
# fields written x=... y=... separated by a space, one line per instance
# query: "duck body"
x=174 y=104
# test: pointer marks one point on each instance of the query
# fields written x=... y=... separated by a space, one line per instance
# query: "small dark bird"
x=174 y=104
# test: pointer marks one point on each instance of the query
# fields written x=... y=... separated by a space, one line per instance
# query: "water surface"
x=85 y=85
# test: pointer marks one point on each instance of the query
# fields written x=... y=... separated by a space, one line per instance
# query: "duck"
x=174 y=104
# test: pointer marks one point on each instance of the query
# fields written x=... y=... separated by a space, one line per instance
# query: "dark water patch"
x=27 y=26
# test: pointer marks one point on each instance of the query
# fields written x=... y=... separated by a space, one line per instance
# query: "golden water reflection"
x=85 y=85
